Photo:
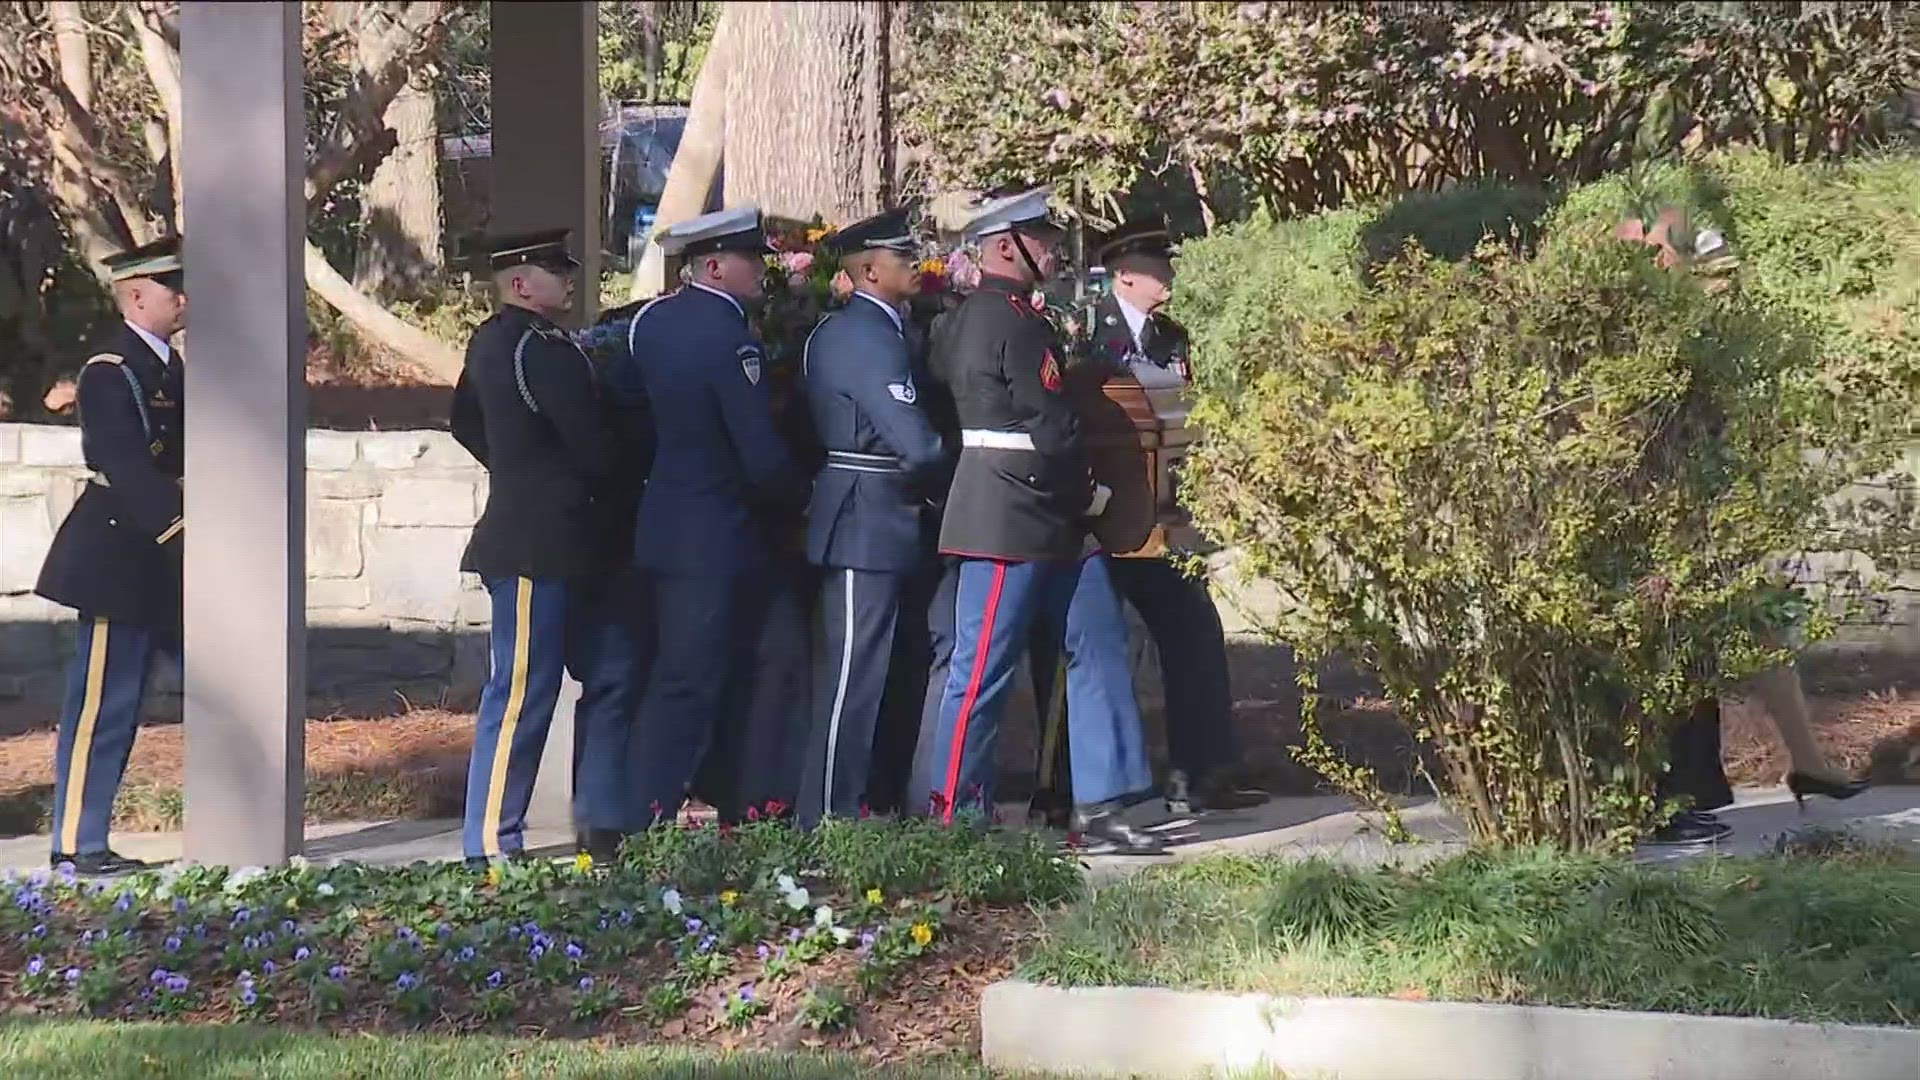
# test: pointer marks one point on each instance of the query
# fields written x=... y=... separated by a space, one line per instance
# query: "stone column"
x=546 y=175
x=546 y=129
x=242 y=163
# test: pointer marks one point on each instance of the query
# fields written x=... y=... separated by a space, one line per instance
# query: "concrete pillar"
x=546 y=174
x=242 y=164
x=546 y=128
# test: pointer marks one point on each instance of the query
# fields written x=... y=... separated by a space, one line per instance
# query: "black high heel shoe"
x=1804 y=784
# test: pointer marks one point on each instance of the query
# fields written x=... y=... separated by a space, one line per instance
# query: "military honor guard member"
x=527 y=407
x=116 y=559
x=1016 y=514
x=1128 y=337
x=720 y=468
x=883 y=458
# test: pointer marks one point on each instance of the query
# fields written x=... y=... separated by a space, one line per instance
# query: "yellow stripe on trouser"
x=83 y=740
x=516 y=697
x=1056 y=715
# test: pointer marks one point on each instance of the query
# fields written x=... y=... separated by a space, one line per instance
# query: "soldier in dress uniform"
x=116 y=559
x=528 y=408
x=1016 y=517
x=720 y=471
x=1128 y=336
x=883 y=458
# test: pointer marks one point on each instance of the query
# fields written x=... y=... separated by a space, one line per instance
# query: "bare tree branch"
x=162 y=59
x=412 y=343
x=356 y=142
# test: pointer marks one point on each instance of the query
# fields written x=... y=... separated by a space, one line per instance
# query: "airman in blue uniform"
x=720 y=468
x=528 y=408
x=117 y=557
x=883 y=459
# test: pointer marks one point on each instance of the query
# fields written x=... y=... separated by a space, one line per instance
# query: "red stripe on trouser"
x=983 y=644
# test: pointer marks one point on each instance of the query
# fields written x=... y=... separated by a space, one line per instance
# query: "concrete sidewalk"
x=1299 y=827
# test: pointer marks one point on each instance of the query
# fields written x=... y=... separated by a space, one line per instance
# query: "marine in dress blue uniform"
x=116 y=559
x=720 y=470
x=528 y=409
x=1015 y=517
x=1128 y=337
x=864 y=528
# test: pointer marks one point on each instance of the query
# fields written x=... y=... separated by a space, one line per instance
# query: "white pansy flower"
x=670 y=900
x=798 y=899
x=325 y=888
x=823 y=916
x=842 y=935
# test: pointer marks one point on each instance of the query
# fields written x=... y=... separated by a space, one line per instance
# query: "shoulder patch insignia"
x=1050 y=373
x=106 y=358
x=903 y=392
x=749 y=356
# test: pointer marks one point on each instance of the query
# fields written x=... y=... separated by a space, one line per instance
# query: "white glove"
x=1101 y=493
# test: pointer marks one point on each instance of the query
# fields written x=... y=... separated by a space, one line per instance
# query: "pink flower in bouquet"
x=962 y=272
x=797 y=262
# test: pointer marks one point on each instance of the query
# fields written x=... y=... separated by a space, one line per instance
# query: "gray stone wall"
x=391 y=619
x=393 y=622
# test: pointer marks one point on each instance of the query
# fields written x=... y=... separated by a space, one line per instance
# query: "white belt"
x=996 y=440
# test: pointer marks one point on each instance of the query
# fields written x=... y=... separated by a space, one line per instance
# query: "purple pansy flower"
x=242 y=915
x=336 y=973
x=301 y=953
x=494 y=980
x=746 y=992
x=269 y=966
x=763 y=952
x=586 y=983
x=407 y=981
x=177 y=984
x=575 y=952
x=73 y=975
x=173 y=943
x=36 y=965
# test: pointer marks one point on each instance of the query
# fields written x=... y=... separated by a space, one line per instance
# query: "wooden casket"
x=1136 y=439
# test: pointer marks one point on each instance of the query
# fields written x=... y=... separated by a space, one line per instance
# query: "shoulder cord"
x=139 y=392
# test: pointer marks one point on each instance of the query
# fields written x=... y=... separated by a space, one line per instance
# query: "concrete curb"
x=1140 y=1031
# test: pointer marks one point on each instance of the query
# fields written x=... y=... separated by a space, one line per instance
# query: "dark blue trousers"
x=1105 y=744
x=543 y=628
x=995 y=606
x=106 y=683
x=1185 y=626
x=752 y=761
x=944 y=589
x=869 y=681
x=707 y=630
x=610 y=649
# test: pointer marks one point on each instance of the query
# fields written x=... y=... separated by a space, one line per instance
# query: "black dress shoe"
x=1690 y=827
x=601 y=845
x=1101 y=823
x=100 y=864
x=1213 y=793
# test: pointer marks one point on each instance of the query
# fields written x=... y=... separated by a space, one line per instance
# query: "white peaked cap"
x=742 y=221
x=1004 y=214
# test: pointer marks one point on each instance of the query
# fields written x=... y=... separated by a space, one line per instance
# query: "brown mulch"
x=409 y=766
x=414 y=765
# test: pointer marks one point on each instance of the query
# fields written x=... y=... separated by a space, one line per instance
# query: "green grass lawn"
x=102 y=1051
x=1829 y=937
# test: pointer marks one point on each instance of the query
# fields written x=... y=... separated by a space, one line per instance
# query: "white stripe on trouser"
x=839 y=696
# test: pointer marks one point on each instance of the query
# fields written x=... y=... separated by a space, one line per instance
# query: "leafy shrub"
x=1541 y=494
x=1304 y=106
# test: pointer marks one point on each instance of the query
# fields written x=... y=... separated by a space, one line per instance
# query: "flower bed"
x=695 y=933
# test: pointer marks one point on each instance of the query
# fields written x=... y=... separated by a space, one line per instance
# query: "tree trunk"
x=400 y=247
x=650 y=20
x=399 y=254
x=382 y=327
x=697 y=161
x=805 y=125
x=70 y=41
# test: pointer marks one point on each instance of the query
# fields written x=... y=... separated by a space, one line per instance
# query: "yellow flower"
x=874 y=896
x=922 y=934
x=583 y=862
x=933 y=266
x=729 y=897
x=493 y=874
x=816 y=235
